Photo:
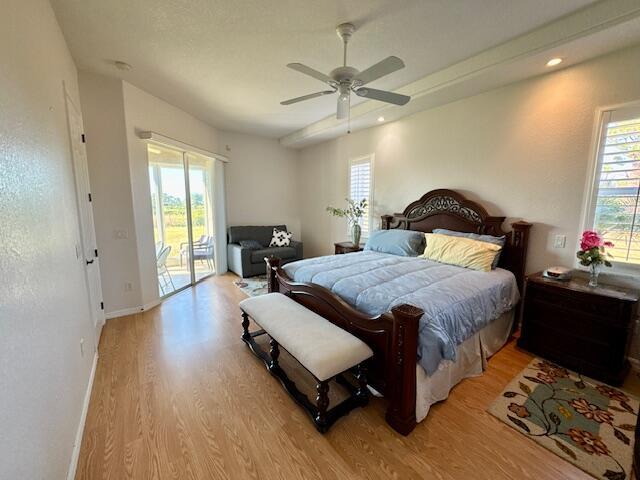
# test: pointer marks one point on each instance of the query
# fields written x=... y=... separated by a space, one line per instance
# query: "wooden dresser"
x=347 y=247
x=586 y=329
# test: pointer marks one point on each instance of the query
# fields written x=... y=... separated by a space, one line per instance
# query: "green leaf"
x=565 y=449
x=607 y=263
x=509 y=394
x=519 y=423
x=525 y=388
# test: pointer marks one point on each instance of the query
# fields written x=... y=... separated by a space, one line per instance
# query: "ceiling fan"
x=345 y=79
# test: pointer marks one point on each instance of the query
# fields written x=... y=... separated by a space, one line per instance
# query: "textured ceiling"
x=224 y=61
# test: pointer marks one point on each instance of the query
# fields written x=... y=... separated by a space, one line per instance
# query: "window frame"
x=352 y=161
x=592 y=179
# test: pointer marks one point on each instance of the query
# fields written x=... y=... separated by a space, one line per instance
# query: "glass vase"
x=594 y=271
x=356 y=231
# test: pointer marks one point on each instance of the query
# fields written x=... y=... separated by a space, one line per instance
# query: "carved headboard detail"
x=444 y=208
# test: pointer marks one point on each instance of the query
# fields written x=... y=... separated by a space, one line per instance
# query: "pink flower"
x=590 y=239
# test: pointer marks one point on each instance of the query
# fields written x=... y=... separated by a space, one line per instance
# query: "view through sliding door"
x=183 y=220
x=202 y=226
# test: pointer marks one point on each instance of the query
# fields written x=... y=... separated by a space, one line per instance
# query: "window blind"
x=360 y=177
x=617 y=187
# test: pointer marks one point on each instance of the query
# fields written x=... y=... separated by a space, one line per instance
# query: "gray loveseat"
x=248 y=262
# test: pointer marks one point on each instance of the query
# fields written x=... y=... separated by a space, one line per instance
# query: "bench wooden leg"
x=275 y=353
x=322 y=402
x=245 y=326
x=363 y=392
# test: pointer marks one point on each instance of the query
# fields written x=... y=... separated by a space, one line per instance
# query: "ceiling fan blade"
x=383 y=96
x=343 y=107
x=311 y=72
x=380 y=69
x=307 y=97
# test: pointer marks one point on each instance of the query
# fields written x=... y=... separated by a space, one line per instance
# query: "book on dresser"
x=586 y=329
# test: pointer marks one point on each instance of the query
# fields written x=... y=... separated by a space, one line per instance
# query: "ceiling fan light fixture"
x=346 y=79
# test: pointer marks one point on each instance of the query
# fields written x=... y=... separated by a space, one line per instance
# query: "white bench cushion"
x=320 y=346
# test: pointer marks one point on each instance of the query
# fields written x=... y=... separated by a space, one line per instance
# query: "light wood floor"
x=177 y=395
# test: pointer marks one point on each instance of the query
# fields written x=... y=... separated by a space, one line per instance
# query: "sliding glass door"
x=201 y=192
x=183 y=222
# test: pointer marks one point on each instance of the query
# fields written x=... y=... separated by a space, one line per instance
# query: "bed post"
x=519 y=242
x=401 y=368
x=273 y=263
x=386 y=221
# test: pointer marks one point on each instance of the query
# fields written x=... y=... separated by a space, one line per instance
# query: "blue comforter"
x=458 y=302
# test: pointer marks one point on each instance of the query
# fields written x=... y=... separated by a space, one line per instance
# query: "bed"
x=429 y=324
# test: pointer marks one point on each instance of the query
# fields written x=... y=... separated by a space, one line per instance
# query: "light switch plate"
x=559 y=241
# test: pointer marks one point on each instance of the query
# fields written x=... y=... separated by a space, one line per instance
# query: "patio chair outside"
x=164 y=276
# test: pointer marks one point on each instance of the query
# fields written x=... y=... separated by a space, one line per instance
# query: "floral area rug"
x=590 y=424
x=253 y=286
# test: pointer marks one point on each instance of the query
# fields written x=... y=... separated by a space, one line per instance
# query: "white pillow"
x=280 y=238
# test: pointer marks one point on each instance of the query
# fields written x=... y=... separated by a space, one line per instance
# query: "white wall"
x=521 y=150
x=103 y=113
x=44 y=310
x=261 y=182
x=144 y=112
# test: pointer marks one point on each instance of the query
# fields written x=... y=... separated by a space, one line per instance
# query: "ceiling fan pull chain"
x=349 y=118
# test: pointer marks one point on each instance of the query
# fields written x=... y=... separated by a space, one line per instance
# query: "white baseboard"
x=122 y=312
x=133 y=310
x=75 y=454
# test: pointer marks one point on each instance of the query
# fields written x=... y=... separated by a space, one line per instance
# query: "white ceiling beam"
x=583 y=23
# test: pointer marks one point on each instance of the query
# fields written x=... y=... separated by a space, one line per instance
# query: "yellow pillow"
x=460 y=251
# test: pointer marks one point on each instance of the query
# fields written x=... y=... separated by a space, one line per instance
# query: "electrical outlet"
x=82 y=347
x=559 y=241
x=128 y=287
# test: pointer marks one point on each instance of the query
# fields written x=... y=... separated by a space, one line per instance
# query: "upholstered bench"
x=322 y=348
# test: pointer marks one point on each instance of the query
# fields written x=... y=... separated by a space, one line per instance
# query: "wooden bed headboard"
x=448 y=209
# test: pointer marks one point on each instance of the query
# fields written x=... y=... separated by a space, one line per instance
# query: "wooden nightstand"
x=347 y=247
x=579 y=327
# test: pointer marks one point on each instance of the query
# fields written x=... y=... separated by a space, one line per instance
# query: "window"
x=614 y=205
x=361 y=186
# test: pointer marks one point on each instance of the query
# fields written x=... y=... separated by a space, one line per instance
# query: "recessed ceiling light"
x=554 y=61
x=381 y=119
x=122 y=65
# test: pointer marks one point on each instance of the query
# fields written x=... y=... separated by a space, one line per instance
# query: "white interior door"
x=85 y=211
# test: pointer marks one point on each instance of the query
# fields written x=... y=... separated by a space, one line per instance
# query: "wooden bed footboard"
x=392 y=336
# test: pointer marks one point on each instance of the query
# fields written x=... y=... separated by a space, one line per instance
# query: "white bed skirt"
x=471 y=360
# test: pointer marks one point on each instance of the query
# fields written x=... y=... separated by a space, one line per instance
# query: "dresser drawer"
x=585 y=329
x=598 y=309
x=568 y=337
